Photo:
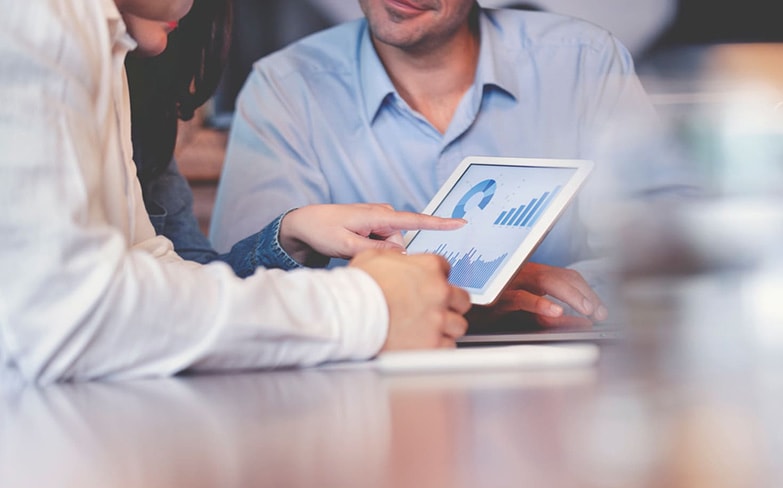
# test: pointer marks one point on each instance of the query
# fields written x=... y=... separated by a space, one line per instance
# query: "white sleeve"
x=79 y=298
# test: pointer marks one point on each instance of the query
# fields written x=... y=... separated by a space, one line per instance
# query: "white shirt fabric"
x=86 y=288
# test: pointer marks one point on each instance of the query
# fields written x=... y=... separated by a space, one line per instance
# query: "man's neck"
x=433 y=81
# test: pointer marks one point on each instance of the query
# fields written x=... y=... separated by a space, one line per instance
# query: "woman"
x=86 y=288
x=169 y=81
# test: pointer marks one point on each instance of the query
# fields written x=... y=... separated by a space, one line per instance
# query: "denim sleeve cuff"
x=269 y=253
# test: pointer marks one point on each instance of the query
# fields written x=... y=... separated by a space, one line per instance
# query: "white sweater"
x=86 y=288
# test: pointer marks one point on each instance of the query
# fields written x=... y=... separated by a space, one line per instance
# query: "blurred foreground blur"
x=702 y=283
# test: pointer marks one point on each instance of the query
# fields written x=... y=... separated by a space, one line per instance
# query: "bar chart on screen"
x=468 y=269
x=526 y=215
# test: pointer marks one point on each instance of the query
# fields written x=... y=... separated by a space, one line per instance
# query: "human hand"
x=425 y=311
x=534 y=282
x=342 y=231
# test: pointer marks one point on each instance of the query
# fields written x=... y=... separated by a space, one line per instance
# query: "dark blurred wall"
x=711 y=21
x=259 y=28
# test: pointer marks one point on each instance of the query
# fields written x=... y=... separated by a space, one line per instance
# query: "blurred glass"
x=723 y=105
x=703 y=277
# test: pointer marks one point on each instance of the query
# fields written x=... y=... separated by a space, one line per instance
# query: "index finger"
x=418 y=221
x=571 y=288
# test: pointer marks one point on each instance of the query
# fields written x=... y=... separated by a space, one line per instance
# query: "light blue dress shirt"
x=321 y=122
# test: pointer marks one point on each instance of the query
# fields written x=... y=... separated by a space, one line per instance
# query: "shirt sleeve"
x=262 y=249
x=86 y=294
x=168 y=199
x=169 y=202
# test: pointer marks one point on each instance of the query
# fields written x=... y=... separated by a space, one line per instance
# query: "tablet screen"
x=509 y=208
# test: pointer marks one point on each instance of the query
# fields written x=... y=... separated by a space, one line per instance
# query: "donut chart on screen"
x=486 y=187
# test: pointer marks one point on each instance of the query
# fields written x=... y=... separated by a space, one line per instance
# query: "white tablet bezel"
x=539 y=230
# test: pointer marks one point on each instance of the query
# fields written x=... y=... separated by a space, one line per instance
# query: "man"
x=86 y=288
x=382 y=109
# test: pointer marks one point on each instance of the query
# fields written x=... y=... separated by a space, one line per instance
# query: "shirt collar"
x=494 y=68
x=375 y=83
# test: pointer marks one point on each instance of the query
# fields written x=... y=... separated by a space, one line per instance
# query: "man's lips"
x=405 y=6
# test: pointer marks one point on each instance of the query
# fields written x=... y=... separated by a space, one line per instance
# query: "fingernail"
x=587 y=307
x=555 y=310
x=602 y=313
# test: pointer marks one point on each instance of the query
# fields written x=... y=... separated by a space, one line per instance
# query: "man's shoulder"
x=331 y=50
x=532 y=29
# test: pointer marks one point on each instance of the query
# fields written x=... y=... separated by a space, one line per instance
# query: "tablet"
x=510 y=205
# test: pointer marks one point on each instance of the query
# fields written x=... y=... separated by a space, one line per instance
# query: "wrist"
x=291 y=236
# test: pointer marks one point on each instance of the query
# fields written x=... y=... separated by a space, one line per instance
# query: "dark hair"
x=171 y=86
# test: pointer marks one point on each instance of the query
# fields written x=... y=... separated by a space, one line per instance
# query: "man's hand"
x=534 y=282
x=342 y=231
x=425 y=311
